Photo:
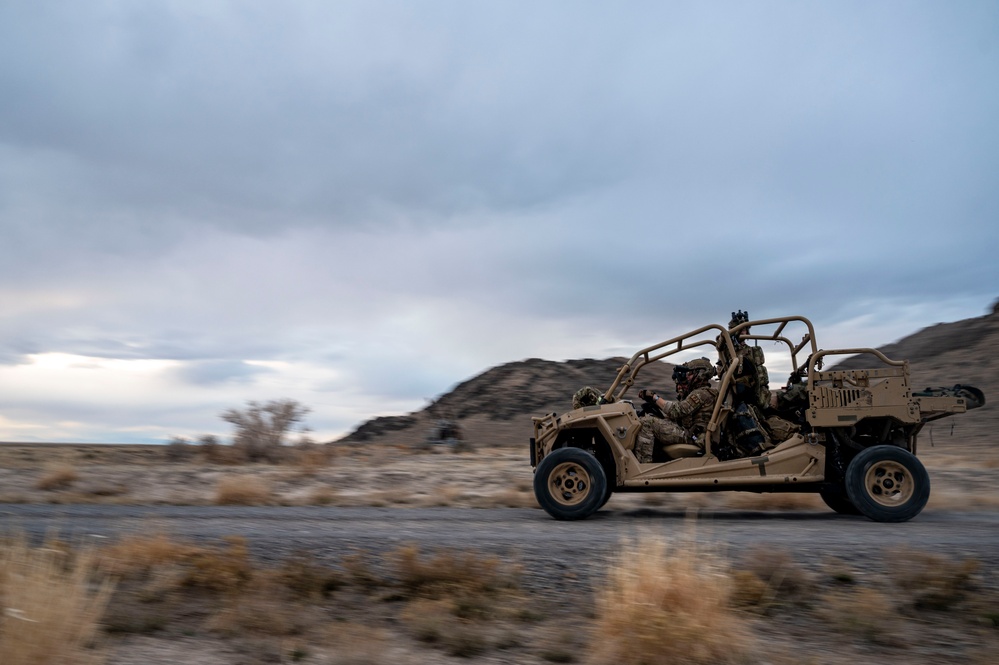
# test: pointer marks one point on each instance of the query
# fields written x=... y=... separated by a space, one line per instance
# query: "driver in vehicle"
x=684 y=420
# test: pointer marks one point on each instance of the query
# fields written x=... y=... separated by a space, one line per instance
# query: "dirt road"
x=548 y=547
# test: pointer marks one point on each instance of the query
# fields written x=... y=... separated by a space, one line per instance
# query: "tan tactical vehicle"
x=854 y=444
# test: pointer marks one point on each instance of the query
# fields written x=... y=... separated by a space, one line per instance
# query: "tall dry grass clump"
x=667 y=603
x=51 y=606
x=138 y=555
x=57 y=477
x=244 y=491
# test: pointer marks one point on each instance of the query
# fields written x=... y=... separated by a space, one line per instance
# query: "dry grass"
x=659 y=601
x=244 y=490
x=444 y=496
x=863 y=612
x=437 y=623
x=386 y=476
x=52 y=605
x=784 y=582
x=260 y=609
x=324 y=495
x=306 y=578
x=456 y=598
x=454 y=571
x=931 y=581
x=667 y=603
x=355 y=643
x=138 y=556
x=515 y=497
x=57 y=477
x=961 y=499
x=311 y=459
x=222 y=570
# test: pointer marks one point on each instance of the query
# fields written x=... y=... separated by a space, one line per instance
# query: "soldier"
x=585 y=396
x=754 y=427
x=687 y=418
x=752 y=382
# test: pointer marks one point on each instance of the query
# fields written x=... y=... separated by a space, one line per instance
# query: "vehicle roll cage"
x=720 y=339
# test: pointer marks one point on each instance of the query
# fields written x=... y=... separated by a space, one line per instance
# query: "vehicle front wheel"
x=887 y=484
x=570 y=484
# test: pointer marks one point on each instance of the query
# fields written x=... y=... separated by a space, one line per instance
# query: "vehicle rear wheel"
x=835 y=497
x=887 y=484
x=570 y=484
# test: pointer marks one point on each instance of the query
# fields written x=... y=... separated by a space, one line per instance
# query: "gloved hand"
x=646 y=394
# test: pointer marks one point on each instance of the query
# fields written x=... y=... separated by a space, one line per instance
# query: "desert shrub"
x=51 y=606
x=559 y=644
x=307 y=578
x=356 y=643
x=57 y=477
x=786 y=582
x=666 y=603
x=512 y=497
x=428 y=620
x=323 y=496
x=215 y=452
x=262 y=429
x=862 y=612
x=310 y=457
x=451 y=571
x=243 y=491
x=436 y=622
x=931 y=581
x=360 y=572
x=137 y=556
x=259 y=609
x=179 y=449
x=749 y=591
x=224 y=569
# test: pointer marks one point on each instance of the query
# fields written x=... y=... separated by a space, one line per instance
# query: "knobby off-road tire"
x=836 y=498
x=607 y=494
x=570 y=484
x=887 y=484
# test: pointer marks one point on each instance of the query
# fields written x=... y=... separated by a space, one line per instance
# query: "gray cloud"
x=372 y=201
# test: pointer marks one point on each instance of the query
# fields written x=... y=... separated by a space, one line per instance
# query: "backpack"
x=752 y=381
x=746 y=431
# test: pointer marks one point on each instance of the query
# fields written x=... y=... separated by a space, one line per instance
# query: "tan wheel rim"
x=889 y=483
x=569 y=483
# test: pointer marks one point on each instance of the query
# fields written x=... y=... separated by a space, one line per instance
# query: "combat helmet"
x=585 y=396
x=693 y=374
x=738 y=318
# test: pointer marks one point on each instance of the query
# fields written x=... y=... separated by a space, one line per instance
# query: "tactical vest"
x=694 y=412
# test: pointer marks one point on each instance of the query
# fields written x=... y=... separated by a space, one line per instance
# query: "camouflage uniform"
x=685 y=422
x=585 y=396
x=752 y=432
x=686 y=419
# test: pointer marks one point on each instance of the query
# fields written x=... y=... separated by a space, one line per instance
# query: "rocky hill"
x=496 y=406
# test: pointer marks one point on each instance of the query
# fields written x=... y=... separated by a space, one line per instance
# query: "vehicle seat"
x=678 y=450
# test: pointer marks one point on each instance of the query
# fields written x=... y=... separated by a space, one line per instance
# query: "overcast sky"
x=360 y=204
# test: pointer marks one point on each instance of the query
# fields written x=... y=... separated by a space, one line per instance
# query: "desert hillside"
x=495 y=407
